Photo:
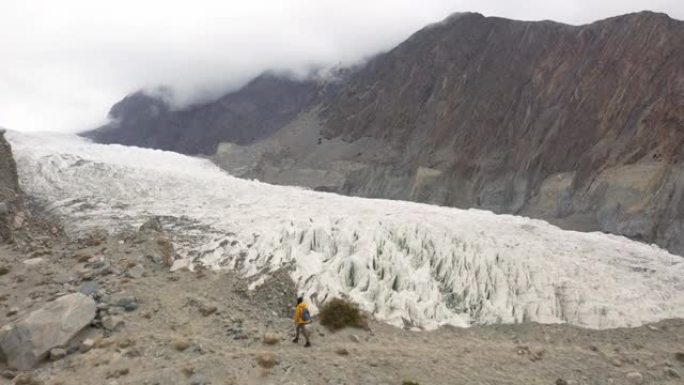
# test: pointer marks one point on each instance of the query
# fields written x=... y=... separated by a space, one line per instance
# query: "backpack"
x=306 y=317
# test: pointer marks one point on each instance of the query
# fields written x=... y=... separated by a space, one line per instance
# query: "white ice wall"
x=408 y=263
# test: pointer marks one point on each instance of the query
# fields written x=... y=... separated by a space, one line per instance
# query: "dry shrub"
x=337 y=314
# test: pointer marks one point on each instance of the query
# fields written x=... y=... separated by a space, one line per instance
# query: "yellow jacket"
x=299 y=310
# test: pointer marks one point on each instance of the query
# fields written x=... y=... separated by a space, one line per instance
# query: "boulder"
x=25 y=343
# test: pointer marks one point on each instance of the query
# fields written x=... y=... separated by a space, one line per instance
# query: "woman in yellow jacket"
x=301 y=319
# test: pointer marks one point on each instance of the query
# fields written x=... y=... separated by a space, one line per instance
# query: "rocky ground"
x=154 y=326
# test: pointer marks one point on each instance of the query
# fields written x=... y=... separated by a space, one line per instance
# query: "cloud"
x=64 y=63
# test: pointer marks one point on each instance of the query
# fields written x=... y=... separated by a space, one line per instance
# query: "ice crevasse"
x=409 y=264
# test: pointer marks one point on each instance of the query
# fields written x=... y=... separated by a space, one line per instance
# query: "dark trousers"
x=301 y=328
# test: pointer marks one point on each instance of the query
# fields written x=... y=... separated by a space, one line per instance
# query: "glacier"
x=410 y=264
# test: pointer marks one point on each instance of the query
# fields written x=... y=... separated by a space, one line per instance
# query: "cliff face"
x=10 y=194
x=579 y=125
x=260 y=108
x=537 y=118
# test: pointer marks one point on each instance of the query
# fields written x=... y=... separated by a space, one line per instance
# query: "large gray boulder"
x=27 y=342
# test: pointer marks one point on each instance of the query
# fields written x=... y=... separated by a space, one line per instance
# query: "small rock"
x=355 y=338
x=616 y=362
x=133 y=352
x=98 y=262
x=83 y=256
x=27 y=379
x=125 y=343
x=679 y=356
x=153 y=224
x=207 y=310
x=271 y=339
x=57 y=354
x=561 y=381
x=266 y=360
x=342 y=351
x=4 y=270
x=18 y=221
x=90 y=288
x=85 y=274
x=33 y=261
x=181 y=344
x=95 y=238
x=198 y=379
x=672 y=373
x=112 y=323
x=87 y=344
x=104 y=343
x=4 y=208
x=117 y=373
x=635 y=377
x=136 y=271
x=129 y=303
x=537 y=352
x=8 y=374
x=188 y=370
x=12 y=311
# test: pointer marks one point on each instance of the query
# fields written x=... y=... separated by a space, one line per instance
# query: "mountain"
x=582 y=126
x=260 y=108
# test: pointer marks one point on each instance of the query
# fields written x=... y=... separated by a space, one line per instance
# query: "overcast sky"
x=63 y=63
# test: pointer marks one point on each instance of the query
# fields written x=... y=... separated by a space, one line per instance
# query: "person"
x=301 y=320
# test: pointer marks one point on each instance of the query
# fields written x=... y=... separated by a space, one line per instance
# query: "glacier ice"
x=409 y=264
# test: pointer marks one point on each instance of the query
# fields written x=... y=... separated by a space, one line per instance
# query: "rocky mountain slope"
x=536 y=118
x=9 y=190
x=580 y=125
x=153 y=326
x=260 y=108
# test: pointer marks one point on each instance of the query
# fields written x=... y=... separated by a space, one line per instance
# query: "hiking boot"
x=307 y=344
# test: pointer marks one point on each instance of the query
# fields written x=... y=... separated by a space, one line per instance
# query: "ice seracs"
x=408 y=263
